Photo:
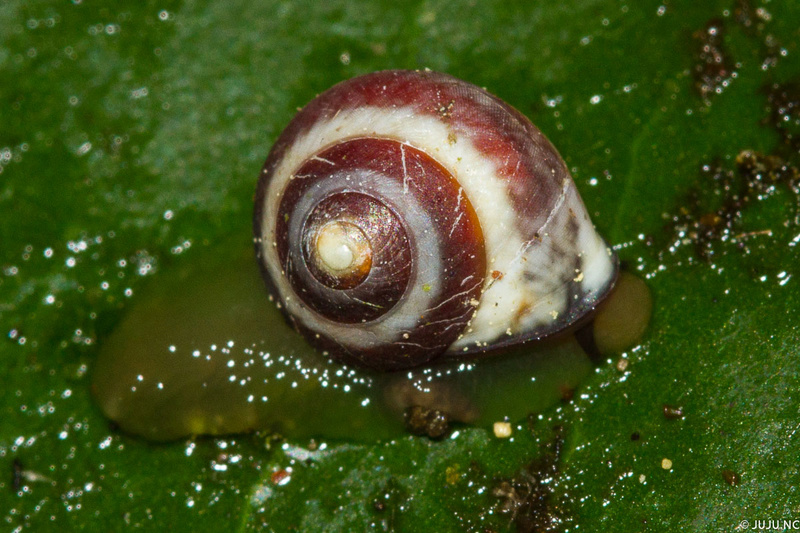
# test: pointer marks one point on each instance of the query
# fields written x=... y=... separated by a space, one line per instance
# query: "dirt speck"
x=714 y=67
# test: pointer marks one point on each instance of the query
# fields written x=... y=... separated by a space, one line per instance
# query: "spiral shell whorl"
x=355 y=244
x=539 y=265
x=424 y=246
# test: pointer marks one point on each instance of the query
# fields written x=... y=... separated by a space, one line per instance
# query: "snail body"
x=405 y=215
x=191 y=356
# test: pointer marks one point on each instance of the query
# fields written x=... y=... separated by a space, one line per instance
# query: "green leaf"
x=131 y=138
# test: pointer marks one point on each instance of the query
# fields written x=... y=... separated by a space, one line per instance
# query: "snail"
x=403 y=217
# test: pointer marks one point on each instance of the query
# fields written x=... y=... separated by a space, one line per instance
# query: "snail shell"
x=402 y=215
